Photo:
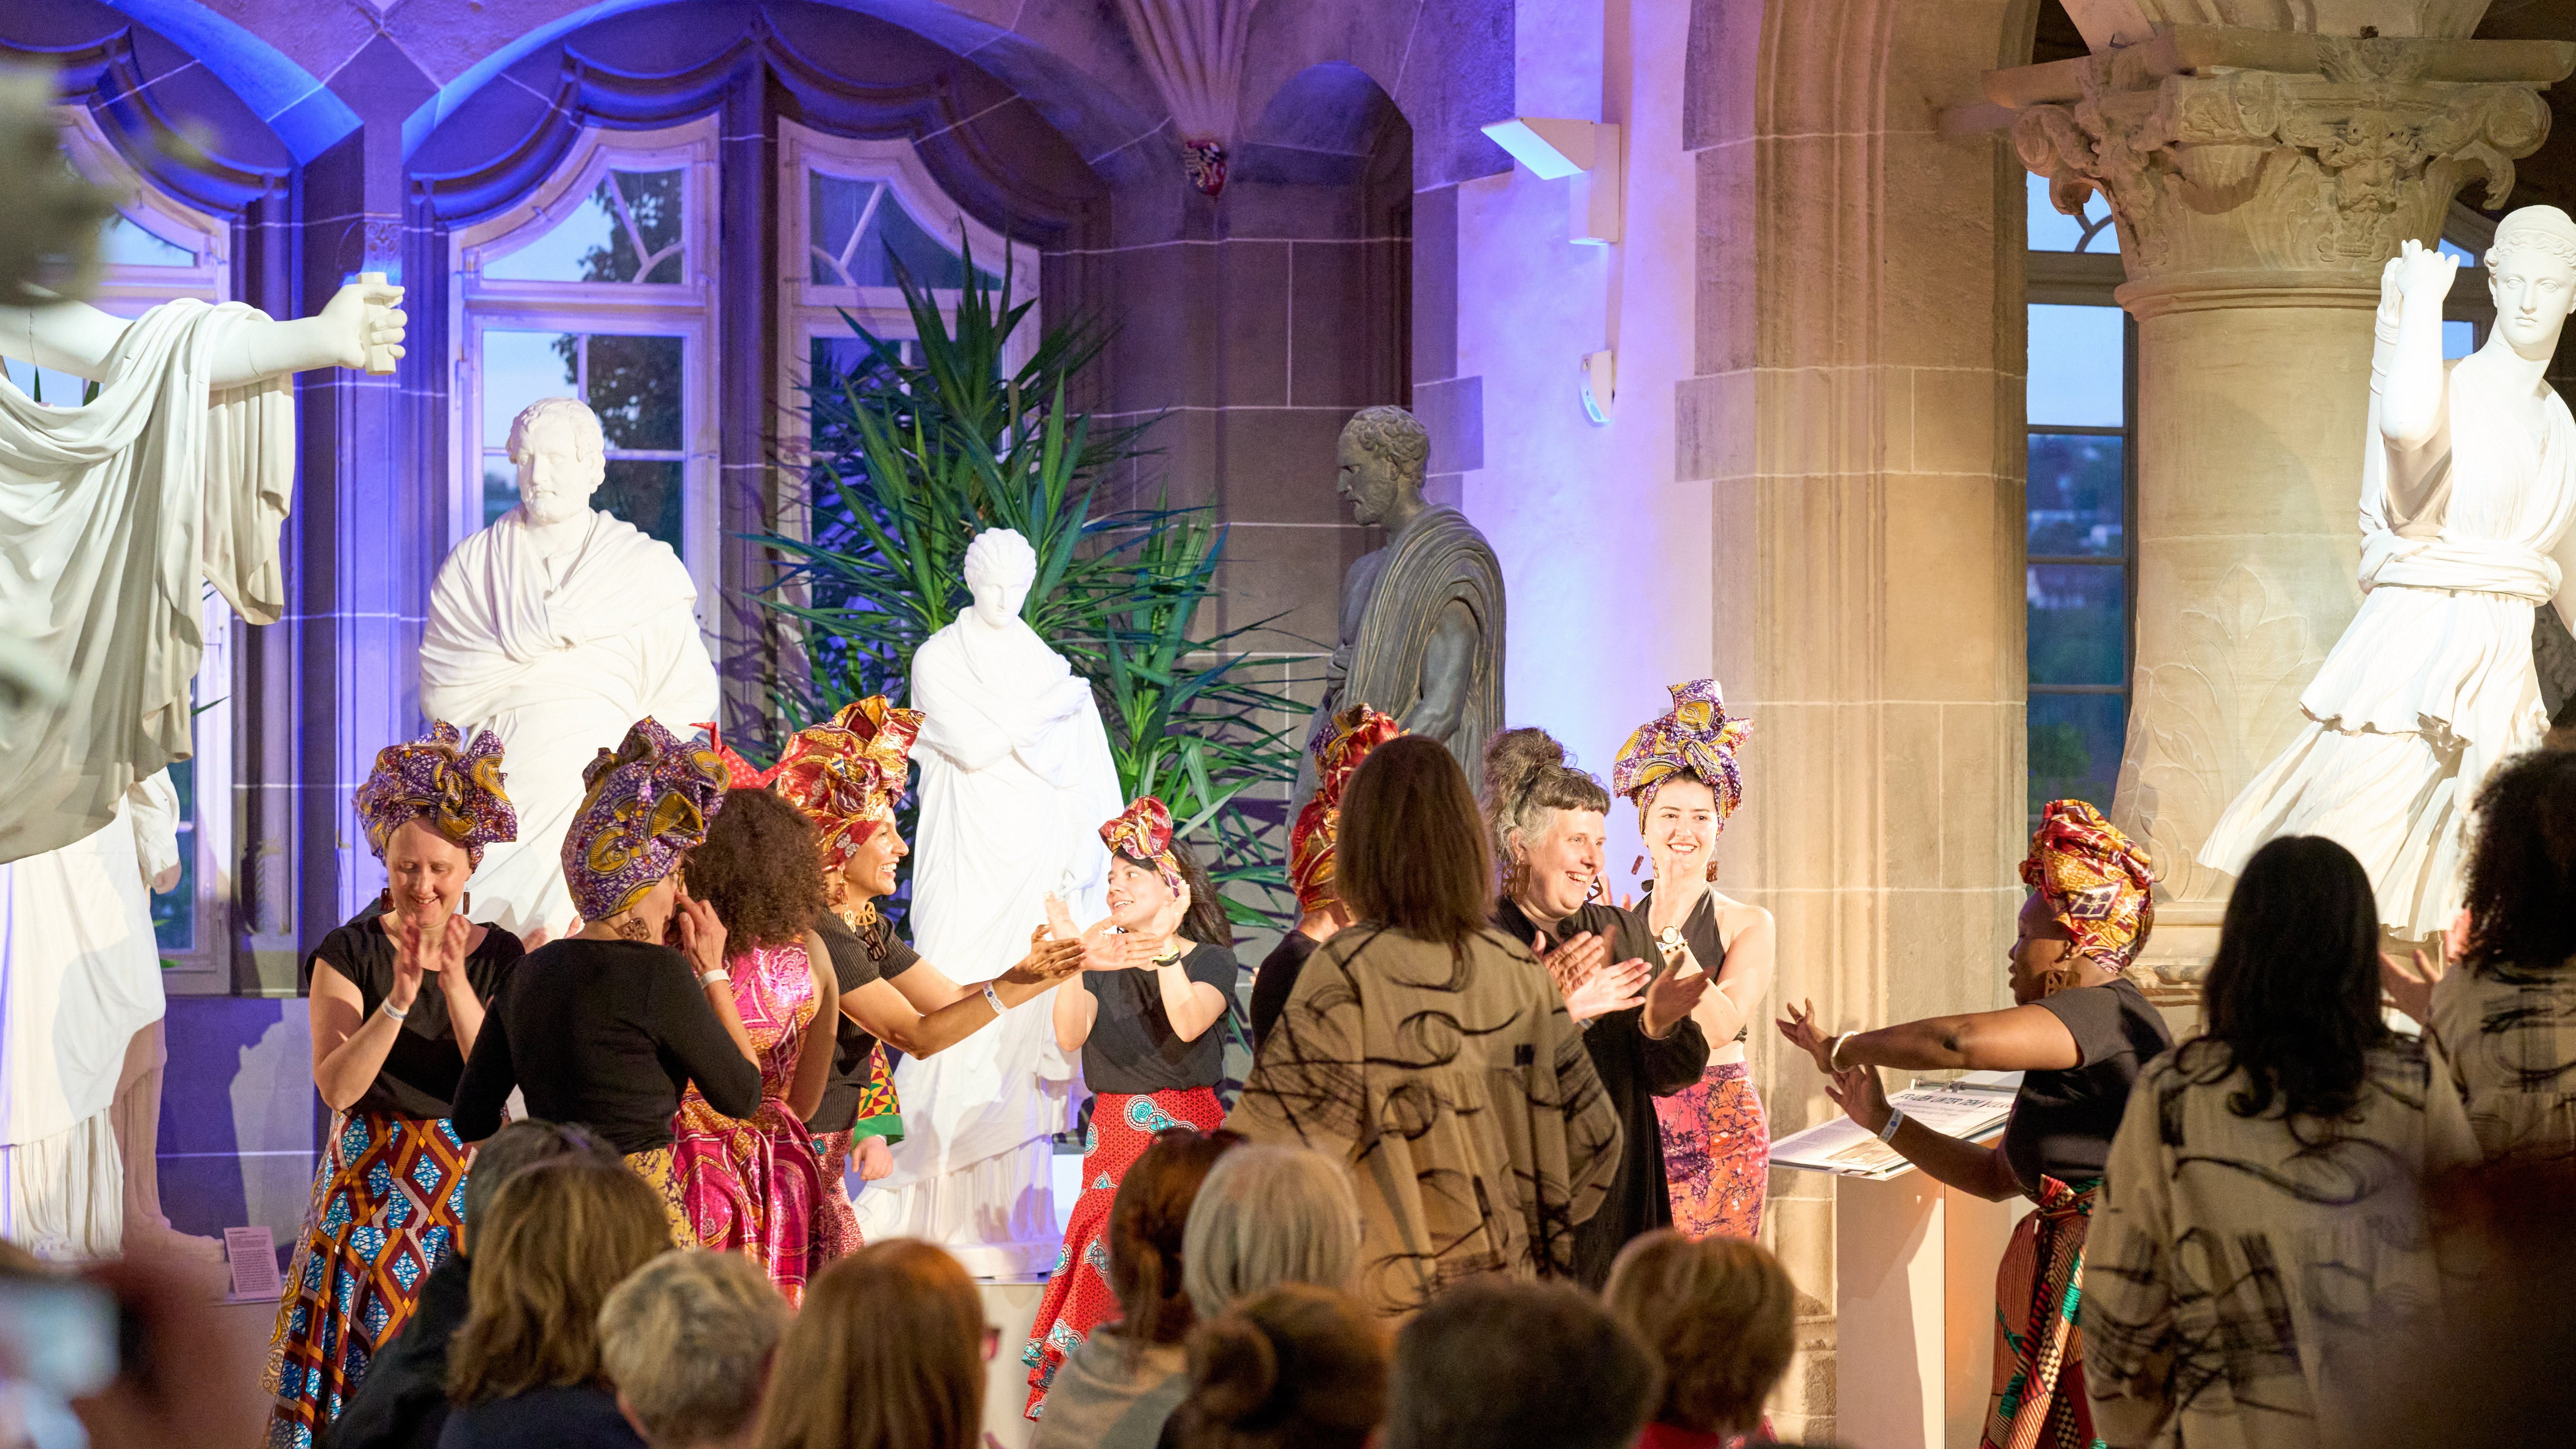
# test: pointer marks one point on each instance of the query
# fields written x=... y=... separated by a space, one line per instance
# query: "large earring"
x=1594 y=893
x=465 y=904
x=1711 y=872
x=385 y=900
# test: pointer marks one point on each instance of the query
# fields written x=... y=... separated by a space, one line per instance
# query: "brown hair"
x=761 y=867
x=517 y=1147
x=887 y=1353
x=1717 y=1312
x=1292 y=1367
x=1146 y=1223
x=1527 y=780
x=1205 y=920
x=1492 y=1361
x=1413 y=855
x=558 y=1238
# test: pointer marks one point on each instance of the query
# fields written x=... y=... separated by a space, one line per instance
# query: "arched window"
x=601 y=287
x=158 y=249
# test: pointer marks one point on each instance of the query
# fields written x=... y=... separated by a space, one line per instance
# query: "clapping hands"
x=1591 y=984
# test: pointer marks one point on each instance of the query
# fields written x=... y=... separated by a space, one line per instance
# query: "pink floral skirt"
x=1717 y=1154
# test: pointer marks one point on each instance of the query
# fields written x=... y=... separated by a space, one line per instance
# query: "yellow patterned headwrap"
x=1338 y=751
x=646 y=804
x=1697 y=737
x=439 y=778
x=849 y=773
x=2098 y=883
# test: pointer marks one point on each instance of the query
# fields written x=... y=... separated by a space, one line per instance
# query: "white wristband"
x=993 y=999
x=1834 y=1057
x=1895 y=1119
x=395 y=1012
x=717 y=977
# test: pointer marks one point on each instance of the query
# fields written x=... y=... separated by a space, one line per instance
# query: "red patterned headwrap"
x=1338 y=751
x=1696 y=738
x=1143 y=832
x=2098 y=883
x=456 y=787
x=849 y=773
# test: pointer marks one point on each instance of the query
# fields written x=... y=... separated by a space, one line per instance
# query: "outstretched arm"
x=78 y=338
x=2410 y=412
x=2015 y=1039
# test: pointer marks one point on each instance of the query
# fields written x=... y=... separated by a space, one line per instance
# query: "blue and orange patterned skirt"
x=1079 y=1297
x=387 y=1200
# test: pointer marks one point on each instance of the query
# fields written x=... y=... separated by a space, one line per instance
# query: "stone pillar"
x=2259 y=180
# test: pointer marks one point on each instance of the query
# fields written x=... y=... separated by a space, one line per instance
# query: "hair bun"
x=1234 y=1369
x=1517 y=756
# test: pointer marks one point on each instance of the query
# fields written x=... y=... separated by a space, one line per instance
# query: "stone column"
x=2259 y=179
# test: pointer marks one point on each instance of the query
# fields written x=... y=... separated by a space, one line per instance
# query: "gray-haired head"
x=516 y=1148
x=687 y=1339
x=1000 y=567
x=1269 y=1215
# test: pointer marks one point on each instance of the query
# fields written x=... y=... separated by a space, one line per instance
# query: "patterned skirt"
x=2039 y=1398
x=1079 y=1297
x=1717 y=1154
x=387 y=1200
x=654 y=1165
x=757 y=1185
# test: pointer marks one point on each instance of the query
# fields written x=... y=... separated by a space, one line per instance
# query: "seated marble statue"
x=2468 y=488
x=557 y=628
x=1422 y=618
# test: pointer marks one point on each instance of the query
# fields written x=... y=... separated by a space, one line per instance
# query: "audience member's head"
x=687 y=1341
x=553 y=1243
x=1413 y=852
x=1292 y=1367
x=1265 y=1216
x=517 y=1147
x=1532 y=1365
x=1718 y=1313
x=2292 y=997
x=2521 y=885
x=1147 y=1223
x=888 y=1352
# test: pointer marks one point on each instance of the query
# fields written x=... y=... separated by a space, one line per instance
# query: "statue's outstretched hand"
x=2424 y=274
x=365 y=315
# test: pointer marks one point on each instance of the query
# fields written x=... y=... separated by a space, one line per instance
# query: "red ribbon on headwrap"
x=1143 y=832
x=2098 y=883
x=848 y=773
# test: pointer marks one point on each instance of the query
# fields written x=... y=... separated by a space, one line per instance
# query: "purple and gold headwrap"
x=1338 y=751
x=849 y=773
x=646 y=803
x=2098 y=883
x=1696 y=738
x=456 y=787
x=1143 y=831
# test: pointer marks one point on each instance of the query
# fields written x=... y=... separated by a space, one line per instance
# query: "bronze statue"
x=1422 y=618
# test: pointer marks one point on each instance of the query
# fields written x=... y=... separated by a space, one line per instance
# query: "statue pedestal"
x=1914 y=1309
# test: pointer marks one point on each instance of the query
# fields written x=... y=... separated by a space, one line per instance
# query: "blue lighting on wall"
x=297 y=106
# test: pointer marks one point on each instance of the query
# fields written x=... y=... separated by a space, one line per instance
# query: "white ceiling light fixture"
x=1588 y=151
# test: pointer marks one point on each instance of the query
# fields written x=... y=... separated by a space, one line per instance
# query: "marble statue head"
x=2531 y=274
x=562 y=456
x=1381 y=459
x=1000 y=567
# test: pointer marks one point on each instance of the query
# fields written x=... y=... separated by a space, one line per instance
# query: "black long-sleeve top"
x=607 y=1034
x=1634 y=1069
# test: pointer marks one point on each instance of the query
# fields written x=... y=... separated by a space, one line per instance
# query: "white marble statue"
x=2468 y=489
x=80 y=971
x=557 y=628
x=180 y=470
x=1016 y=781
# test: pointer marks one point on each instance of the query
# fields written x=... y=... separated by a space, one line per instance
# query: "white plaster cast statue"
x=80 y=971
x=2468 y=488
x=1016 y=781
x=557 y=628
x=179 y=470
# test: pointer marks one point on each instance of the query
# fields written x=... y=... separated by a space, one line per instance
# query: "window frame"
x=688 y=309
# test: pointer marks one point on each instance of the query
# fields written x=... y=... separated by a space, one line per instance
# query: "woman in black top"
x=1152 y=1053
x=2080 y=1034
x=606 y=1028
x=1548 y=821
x=397 y=998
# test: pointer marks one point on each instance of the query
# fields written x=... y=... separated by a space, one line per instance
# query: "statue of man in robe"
x=1422 y=618
x=2468 y=493
x=1016 y=781
x=557 y=628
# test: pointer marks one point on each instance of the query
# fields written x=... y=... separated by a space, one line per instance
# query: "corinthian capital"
x=2228 y=153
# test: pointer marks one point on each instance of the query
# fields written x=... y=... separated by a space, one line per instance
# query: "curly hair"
x=1205 y=920
x=761 y=867
x=1395 y=435
x=1528 y=778
x=2292 y=999
x=2522 y=871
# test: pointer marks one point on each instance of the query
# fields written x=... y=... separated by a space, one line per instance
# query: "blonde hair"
x=887 y=1353
x=686 y=1339
x=1718 y=1313
x=559 y=1238
x=1266 y=1216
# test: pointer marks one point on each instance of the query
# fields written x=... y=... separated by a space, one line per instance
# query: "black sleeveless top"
x=419 y=1076
x=1706 y=941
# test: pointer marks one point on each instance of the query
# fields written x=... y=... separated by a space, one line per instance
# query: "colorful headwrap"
x=1338 y=751
x=644 y=804
x=1697 y=738
x=456 y=787
x=2098 y=883
x=848 y=774
x=1143 y=831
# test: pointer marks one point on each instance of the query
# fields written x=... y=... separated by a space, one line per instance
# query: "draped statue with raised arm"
x=1016 y=778
x=2468 y=489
